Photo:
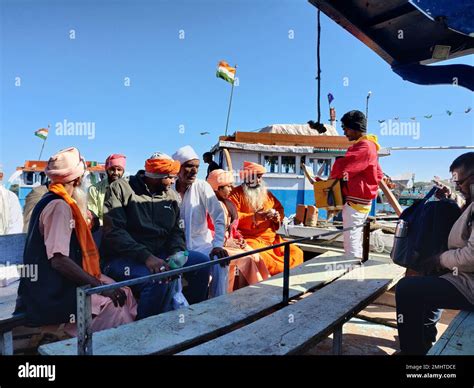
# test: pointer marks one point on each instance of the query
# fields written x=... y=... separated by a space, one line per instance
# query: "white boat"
x=282 y=149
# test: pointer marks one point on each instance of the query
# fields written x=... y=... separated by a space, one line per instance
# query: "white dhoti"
x=353 y=238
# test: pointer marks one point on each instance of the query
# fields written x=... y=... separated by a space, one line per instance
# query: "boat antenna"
x=317 y=125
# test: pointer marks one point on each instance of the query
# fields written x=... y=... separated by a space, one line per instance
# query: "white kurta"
x=200 y=200
x=11 y=217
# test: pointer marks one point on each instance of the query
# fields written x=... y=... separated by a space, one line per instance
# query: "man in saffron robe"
x=247 y=270
x=260 y=215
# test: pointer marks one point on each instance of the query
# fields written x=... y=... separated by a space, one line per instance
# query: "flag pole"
x=230 y=101
x=44 y=142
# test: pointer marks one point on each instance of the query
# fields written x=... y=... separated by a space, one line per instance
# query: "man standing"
x=142 y=230
x=197 y=202
x=11 y=218
x=360 y=174
x=60 y=245
x=260 y=215
x=115 y=168
x=207 y=157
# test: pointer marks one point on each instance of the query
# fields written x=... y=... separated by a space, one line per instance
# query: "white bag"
x=179 y=300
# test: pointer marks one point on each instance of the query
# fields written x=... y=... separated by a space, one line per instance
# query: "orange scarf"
x=90 y=255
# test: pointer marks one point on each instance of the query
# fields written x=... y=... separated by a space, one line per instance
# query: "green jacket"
x=138 y=224
x=95 y=198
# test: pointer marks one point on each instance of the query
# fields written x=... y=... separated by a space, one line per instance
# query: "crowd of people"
x=128 y=227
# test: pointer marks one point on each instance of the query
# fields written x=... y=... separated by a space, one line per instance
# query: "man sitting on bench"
x=198 y=202
x=247 y=270
x=65 y=259
x=260 y=215
x=115 y=168
x=142 y=229
x=419 y=297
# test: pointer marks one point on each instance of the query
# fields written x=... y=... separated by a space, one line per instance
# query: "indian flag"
x=42 y=133
x=225 y=72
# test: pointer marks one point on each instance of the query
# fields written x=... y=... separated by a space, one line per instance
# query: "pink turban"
x=219 y=178
x=115 y=160
x=65 y=166
x=251 y=169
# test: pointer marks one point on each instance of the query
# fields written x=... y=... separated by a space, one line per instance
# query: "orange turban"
x=219 y=178
x=251 y=169
x=160 y=166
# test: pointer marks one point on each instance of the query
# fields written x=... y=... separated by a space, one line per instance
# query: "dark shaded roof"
x=406 y=37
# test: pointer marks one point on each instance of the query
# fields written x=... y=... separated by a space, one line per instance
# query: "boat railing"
x=84 y=293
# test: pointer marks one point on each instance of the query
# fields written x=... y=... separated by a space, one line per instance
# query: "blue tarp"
x=457 y=14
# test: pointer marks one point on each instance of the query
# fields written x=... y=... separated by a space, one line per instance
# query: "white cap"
x=184 y=154
x=159 y=155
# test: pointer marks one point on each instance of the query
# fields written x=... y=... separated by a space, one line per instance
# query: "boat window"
x=28 y=178
x=302 y=161
x=321 y=167
x=271 y=163
x=288 y=164
x=43 y=178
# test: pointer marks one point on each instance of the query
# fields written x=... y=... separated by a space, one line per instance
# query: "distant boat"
x=31 y=174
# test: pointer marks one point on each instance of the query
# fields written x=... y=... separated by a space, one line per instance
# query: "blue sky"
x=173 y=84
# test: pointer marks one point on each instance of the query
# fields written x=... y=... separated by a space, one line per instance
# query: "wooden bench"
x=296 y=327
x=11 y=253
x=458 y=339
x=175 y=331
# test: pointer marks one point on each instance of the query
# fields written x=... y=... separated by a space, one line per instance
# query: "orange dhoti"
x=261 y=233
x=274 y=258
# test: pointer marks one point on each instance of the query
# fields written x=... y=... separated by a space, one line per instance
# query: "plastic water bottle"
x=401 y=229
x=178 y=259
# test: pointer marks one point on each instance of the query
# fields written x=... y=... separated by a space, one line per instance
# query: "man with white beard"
x=67 y=260
x=260 y=215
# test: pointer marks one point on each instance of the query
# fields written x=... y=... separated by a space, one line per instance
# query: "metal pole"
x=230 y=102
x=84 y=322
x=44 y=142
x=42 y=148
x=366 y=241
x=430 y=148
x=286 y=274
x=318 y=56
x=337 y=341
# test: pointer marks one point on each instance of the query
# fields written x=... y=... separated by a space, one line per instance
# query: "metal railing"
x=84 y=312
